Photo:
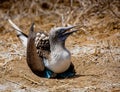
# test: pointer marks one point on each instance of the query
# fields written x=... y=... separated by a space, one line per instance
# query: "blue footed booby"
x=47 y=55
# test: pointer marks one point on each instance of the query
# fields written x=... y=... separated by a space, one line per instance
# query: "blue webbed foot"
x=49 y=74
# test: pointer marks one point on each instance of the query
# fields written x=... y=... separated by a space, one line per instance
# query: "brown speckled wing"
x=42 y=45
x=35 y=62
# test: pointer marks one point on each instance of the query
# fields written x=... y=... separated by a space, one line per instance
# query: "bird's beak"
x=66 y=31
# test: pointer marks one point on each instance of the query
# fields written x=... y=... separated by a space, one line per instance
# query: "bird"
x=47 y=55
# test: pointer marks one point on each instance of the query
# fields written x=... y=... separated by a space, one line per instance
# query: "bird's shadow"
x=78 y=76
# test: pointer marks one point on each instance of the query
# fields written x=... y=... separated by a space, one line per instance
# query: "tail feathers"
x=22 y=36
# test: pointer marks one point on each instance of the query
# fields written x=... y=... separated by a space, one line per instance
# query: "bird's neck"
x=57 y=46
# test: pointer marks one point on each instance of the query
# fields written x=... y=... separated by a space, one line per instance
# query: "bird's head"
x=60 y=34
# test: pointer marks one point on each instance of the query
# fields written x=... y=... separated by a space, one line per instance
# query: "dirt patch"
x=95 y=47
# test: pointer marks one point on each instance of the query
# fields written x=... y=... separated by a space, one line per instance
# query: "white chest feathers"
x=60 y=61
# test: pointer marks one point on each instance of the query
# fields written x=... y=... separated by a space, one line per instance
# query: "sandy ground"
x=95 y=49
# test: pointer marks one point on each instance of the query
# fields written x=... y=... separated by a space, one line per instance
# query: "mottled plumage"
x=42 y=44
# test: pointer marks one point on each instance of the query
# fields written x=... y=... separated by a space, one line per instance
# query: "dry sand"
x=95 y=47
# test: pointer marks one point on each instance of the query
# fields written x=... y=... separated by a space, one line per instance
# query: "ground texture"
x=95 y=48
